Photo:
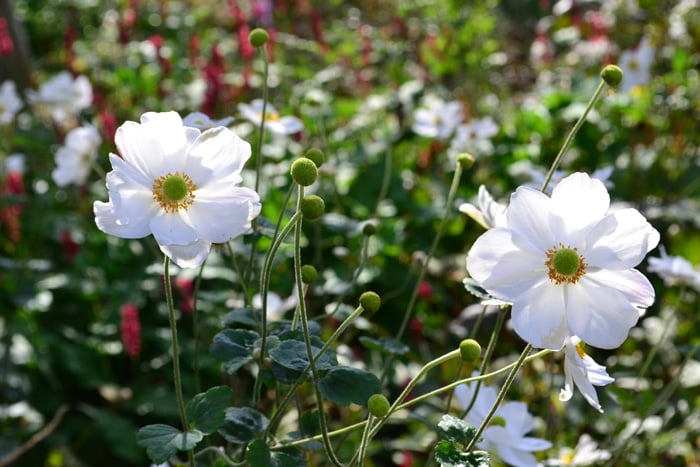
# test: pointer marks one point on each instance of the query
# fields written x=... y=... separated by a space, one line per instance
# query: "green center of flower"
x=565 y=264
x=498 y=421
x=174 y=191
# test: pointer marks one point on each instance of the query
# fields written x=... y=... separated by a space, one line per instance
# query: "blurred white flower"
x=10 y=102
x=276 y=124
x=473 y=133
x=74 y=159
x=636 y=65
x=506 y=432
x=178 y=184
x=437 y=118
x=63 y=96
x=202 y=122
x=488 y=212
x=15 y=163
x=580 y=369
x=276 y=305
x=586 y=452
x=674 y=270
x=567 y=264
x=538 y=177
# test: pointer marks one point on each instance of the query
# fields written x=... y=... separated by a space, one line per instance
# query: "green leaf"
x=163 y=441
x=244 y=316
x=455 y=430
x=448 y=455
x=292 y=354
x=234 y=347
x=345 y=385
x=385 y=345
x=206 y=411
x=242 y=425
x=258 y=454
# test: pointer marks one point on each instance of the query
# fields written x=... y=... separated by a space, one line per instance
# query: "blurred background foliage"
x=354 y=72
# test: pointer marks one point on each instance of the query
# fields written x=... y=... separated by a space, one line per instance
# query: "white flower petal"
x=219 y=154
x=632 y=283
x=601 y=316
x=141 y=150
x=620 y=240
x=539 y=316
x=220 y=218
x=502 y=268
x=581 y=201
x=171 y=229
x=528 y=215
x=187 y=256
x=108 y=223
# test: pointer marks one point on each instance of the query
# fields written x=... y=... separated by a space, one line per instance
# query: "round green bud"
x=308 y=274
x=315 y=155
x=369 y=228
x=612 y=75
x=469 y=350
x=312 y=207
x=378 y=405
x=304 y=171
x=370 y=301
x=465 y=160
x=258 y=37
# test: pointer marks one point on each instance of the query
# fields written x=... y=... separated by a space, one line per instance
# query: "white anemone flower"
x=476 y=131
x=487 y=212
x=538 y=178
x=74 y=159
x=567 y=265
x=506 y=432
x=64 y=96
x=586 y=452
x=674 y=270
x=276 y=305
x=178 y=184
x=276 y=124
x=203 y=122
x=636 y=65
x=437 y=118
x=580 y=369
x=10 y=102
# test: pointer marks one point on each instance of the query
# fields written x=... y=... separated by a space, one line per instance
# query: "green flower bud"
x=308 y=274
x=369 y=228
x=312 y=207
x=469 y=350
x=258 y=37
x=378 y=405
x=370 y=301
x=466 y=160
x=315 y=155
x=304 y=171
x=612 y=75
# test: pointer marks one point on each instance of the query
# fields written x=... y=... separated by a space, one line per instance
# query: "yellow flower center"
x=579 y=350
x=270 y=116
x=566 y=459
x=565 y=264
x=174 y=191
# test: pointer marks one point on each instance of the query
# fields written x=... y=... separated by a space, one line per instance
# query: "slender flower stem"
x=572 y=133
x=501 y=395
x=362 y=450
x=195 y=328
x=176 y=355
x=415 y=400
x=307 y=337
x=261 y=132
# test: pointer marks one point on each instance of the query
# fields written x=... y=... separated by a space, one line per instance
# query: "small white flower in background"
x=538 y=178
x=178 y=184
x=15 y=163
x=276 y=305
x=63 y=96
x=276 y=124
x=674 y=270
x=202 y=122
x=636 y=65
x=580 y=369
x=74 y=159
x=437 y=118
x=10 y=103
x=506 y=432
x=566 y=264
x=475 y=132
x=585 y=453
x=488 y=212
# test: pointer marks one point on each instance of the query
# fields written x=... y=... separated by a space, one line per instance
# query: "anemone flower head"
x=580 y=369
x=277 y=125
x=10 y=102
x=74 y=159
x=437 y=118
x=674 y=270
x=567 y=265
x=64 y=96
x=178 y=184
x=636 y=65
